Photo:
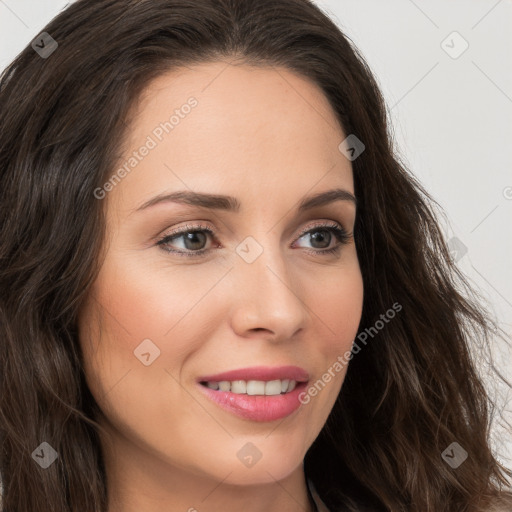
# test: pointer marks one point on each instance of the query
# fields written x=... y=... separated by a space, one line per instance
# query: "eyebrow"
x=231 y=204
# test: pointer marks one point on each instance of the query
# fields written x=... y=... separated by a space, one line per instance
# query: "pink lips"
x=260 y=373
x=258 y=407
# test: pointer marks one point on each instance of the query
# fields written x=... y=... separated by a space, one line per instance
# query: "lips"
x=265 y=373
x=256 y=393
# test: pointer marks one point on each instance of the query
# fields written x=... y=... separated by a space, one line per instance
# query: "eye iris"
x=192 y=237
x=316 y=238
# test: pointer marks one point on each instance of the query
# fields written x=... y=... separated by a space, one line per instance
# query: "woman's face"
x=260 y=295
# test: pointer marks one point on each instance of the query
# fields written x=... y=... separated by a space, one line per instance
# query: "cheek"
x=336 y=304
x=132 y=370
x=143 y=300
x=336 y=308
x=160 y=317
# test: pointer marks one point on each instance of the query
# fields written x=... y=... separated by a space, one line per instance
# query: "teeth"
x=254 y=387
x=273 y=387
x=238 y=386
x=224 y=385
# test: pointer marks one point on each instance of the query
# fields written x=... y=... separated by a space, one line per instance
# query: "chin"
x=251 y=460
x=259 y=460
x=263 y=472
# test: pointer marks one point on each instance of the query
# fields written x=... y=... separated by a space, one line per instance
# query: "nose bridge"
x=267 y=297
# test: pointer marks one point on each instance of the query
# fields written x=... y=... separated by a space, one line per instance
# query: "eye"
x=194 y=239
x=334 y=232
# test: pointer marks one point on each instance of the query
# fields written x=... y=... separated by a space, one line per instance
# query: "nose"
x=267 y=297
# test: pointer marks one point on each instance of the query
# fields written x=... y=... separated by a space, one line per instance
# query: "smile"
x=258 y=393
x=253 y=387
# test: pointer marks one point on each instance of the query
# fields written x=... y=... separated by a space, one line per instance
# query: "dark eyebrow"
x=209 y=201
x=229 y=203
x=337 y=194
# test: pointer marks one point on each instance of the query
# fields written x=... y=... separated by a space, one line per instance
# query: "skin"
x=269 y=138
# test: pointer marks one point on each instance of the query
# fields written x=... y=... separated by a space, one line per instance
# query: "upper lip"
x=265 y=373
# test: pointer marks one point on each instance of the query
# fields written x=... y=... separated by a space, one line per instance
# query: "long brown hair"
x=409 y=393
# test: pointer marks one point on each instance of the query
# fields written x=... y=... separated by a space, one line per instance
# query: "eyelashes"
x=337 y=232
x=165 y=241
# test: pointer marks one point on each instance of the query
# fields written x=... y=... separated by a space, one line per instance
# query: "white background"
x=452 y=119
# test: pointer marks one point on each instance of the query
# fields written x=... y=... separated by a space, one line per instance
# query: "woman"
x=220 y=288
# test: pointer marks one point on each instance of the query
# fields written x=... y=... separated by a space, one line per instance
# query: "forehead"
x=216 y=127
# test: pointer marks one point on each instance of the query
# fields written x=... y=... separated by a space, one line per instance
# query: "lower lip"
x=257 y=407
